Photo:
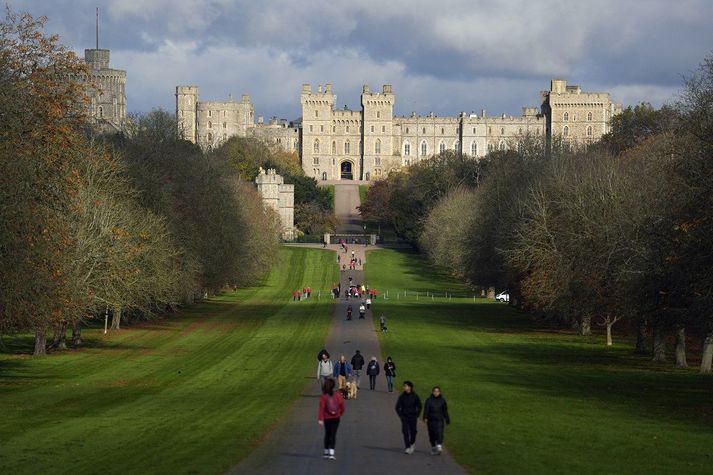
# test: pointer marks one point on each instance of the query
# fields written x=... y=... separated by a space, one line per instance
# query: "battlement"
x=97 y=58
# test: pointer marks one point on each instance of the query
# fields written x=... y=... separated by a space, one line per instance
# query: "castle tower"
x=317 y=116
x=186 y=104
x=377 y=119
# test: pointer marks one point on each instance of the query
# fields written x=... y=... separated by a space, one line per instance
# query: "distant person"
x=349 y=312
x=368 y=302
x=357 y=365
x=325 y=369
x=331 y=409
x=362 y=311
x=382 y=322
x=309 y=291
x=342 y=372
x=408 y=407
x=390 y=373
x=435 y=414
x=372 y=370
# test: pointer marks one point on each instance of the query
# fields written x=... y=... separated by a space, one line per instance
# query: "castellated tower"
x=280 y=197
x=107 y=109
x=378 y=115
x=317 y=130
x=186 y=104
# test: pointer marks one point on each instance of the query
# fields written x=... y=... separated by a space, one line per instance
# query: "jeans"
x=435 y=432
x=330 y=433
x=322 y=380
x=408 y=429
x=390 y=382
x=357 y=376
x=372 y=381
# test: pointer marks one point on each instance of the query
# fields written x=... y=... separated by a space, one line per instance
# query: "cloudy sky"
x=443 y=56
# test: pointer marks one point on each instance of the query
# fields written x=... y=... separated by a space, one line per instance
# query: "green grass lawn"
x=191 y=393
x=363 y=190
x=525 y=399
x=331 y=191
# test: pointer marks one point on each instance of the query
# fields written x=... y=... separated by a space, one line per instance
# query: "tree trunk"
x=116 y=318
x=40 y=342
x=60 y=337
x=681 y=347
x=609 y=325
x=641 y=336
x=585 y=328
x=77 y=333
x=707 y=353
x=659 y=344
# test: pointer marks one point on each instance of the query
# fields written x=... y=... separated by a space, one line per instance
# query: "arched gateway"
x=346 y=169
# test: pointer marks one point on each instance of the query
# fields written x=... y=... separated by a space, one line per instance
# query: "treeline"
x=313 y=205
x=615 y=232
x=127 y=225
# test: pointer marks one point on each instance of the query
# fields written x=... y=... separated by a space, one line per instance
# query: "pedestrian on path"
x=435 y=414
x=342 y=372
x=390 y=373
x=325 y=368
x=357 y=365
x=382 y=322
x=362 y=311
x=372 y=370
x=349 y=312
x=331 y=409
x=408 y=407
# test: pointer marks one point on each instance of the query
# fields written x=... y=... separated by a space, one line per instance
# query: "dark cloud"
x=442 y=56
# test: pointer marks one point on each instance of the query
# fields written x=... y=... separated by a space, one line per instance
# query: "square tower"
x=317 y=112
x=378 y=120
x=186 y=106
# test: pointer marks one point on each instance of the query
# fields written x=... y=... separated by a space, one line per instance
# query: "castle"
x=366 y=144
x=280 y=197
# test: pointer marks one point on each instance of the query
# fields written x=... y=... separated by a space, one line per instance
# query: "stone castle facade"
x=107 y=107
x=368 y=143
x=280 y=197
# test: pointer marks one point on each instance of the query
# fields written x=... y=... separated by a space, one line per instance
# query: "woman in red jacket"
x=331 y=408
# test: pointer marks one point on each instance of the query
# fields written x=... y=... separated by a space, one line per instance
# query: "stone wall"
x=279 y=196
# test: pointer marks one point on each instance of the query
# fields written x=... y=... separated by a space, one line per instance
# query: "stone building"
x=280 y=197
x=368 y=143
x=107 y=107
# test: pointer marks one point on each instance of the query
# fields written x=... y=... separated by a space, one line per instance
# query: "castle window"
x=346 y=147
x=589 y=131
x=334 y=147
x=565 y=132
x=424 y=130
x=490 y=130
x=210 y=113
x=565 y=117
x=372 y=129
x=310 y=128
x=321 y=128
x=225 y=125
x=589 y=116
x=324 y=176
x=574 y=117
x=315 y=161
x=441 y=147
x=210 y=137
x=101 y=112
x=502 y=146
x=443 y=131
x=224 y=113
x=473 y=149
x=502 y=130
x=377 y=161
x=334 y=128
x=407 y=149
x=316 y=145
x=347 y=128
x=377 y=147
x=378 y=114
x=407 y=130
x=424 y=148
x=210 y=124
x=316 y=113
x=473 y=129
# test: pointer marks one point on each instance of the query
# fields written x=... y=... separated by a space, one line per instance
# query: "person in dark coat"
x=372 y=370
x=435 y=414
x=408 y=407
x=390 y=373
x=357 y=366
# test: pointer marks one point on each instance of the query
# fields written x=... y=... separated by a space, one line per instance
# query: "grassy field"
x=529 y=400
x=210 y=381
x=363 y=189
x=331 y=191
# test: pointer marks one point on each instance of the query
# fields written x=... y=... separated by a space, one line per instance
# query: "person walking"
x=382 y=322
x=349 y=312
x=372 y=370
x=325 y=368
x=357 y=365
x=362 y=311
x=342 y=372
x=390 y=373
x=435 y=414
x=408 y=408
x=331 y=409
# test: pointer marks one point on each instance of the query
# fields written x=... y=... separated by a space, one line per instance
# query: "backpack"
x=332 y=406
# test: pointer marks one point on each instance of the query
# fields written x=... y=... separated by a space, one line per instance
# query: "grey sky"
x=443 y=56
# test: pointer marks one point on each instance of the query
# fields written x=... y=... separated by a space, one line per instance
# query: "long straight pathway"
x=369 y=439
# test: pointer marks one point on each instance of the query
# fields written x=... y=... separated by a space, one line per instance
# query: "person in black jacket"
x=390 y=373
x=357 y=365
x=372 y=370
x=435 y=413
x=408 y=407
